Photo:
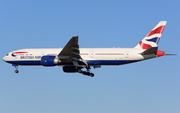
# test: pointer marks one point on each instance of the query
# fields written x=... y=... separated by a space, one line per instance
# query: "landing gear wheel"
x=85 y=72
x=91 y=74
x=16 y=71
x=16 y=67
x=88 y=74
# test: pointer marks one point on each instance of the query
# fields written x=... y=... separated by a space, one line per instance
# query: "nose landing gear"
x=16 y=71
x=16 y=67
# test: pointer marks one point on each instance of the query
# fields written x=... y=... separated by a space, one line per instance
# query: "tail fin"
x=152 y=38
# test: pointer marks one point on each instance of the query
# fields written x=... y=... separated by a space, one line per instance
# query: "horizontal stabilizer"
x=151 y=50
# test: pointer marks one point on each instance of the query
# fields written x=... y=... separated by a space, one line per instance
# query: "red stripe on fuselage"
x=19 y=52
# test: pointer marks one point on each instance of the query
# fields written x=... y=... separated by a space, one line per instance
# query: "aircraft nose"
x=5 y=58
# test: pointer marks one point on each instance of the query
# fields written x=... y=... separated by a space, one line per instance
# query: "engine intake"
x=49 y=60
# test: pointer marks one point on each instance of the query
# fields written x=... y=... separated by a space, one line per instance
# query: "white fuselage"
x=74 y=59
x=93 y=56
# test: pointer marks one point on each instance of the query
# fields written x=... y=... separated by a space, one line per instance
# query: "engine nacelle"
x=69 y=69
x=49 y=60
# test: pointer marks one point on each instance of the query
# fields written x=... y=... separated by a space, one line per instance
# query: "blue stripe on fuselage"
x=109 y=62
x=90 y=62
x=35 y=62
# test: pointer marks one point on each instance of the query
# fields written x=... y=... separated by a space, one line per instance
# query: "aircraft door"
x=42 y=53
x=91 y=54
x=126 y=54
x=15 y=55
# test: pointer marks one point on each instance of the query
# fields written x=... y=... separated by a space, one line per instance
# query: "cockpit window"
x=7 y=54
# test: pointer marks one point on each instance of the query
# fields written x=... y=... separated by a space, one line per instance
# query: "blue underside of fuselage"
x=89 y=62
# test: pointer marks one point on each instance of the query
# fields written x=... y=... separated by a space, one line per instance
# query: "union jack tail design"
x=153 y=37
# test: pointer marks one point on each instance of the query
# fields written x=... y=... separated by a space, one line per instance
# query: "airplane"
x=73 y=59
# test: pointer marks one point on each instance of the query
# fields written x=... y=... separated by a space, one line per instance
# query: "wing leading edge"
x=70 y=52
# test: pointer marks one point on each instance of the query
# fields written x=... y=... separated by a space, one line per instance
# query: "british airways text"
x=30 y=57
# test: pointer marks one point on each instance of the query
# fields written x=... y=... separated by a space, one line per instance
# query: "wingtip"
x=75 y=37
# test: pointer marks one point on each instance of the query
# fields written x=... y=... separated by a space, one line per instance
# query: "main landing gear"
x=16 y=67
x=86 y=72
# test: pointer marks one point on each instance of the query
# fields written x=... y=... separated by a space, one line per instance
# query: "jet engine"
x=70 y=69
x=49 y=60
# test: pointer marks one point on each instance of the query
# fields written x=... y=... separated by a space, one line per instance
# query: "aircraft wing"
x=70 y=53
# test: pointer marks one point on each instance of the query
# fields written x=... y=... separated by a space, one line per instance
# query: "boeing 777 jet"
x=73 y=59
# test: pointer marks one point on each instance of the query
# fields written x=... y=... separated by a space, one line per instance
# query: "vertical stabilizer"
x=153 y=37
